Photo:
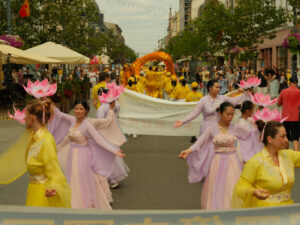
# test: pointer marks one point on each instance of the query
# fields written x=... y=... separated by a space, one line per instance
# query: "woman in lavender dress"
x=221 y=166
x=115 y=136
x=208 y=105
x=86 y=156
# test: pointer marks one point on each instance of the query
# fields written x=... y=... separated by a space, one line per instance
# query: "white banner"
x=145 y=115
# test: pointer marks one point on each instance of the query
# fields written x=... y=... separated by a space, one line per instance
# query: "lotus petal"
x=19 y=115
x=268 y=115
x=262 y=100
x=40 y=89
x=113 y=94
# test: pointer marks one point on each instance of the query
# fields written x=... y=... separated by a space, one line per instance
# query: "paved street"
x=157 y=180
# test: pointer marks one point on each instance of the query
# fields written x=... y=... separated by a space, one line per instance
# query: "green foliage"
x=295 y=3
x=293 y=45
x=68 y=22
x=116 y=49
x=219 y=28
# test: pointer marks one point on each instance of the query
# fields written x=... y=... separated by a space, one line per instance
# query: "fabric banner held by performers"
x=17 y=215
x=145 y=115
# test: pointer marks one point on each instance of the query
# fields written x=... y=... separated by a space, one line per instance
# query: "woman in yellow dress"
x=268 y=177
x=36 y=151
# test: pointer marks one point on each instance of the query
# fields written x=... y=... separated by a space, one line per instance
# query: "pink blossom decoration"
x=40 y=89
x=262 y=100
x=114 y=92
x=18 y=116
x=250 y=83
x=12 y=40
x=268 y=115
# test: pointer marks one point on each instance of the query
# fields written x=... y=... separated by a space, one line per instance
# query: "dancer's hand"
x=120 y=154
x=178 y=123
x=50 y=193
x=261 y=194
x=112 y=105
x=184 y=153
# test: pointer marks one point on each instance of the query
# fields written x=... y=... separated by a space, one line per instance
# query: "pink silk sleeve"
x=197 y=110
x=202 y=153
x=89 y=131
x=238 y=99
x=60 y=124
x=249 y=141
x=102 y=122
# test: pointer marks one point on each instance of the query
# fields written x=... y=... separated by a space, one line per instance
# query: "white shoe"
x=115 y=185
x=134 y=135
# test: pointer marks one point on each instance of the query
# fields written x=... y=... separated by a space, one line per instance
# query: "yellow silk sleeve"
x=12 y=160
x=294 y=156
x=244 y=188
x=56 y=179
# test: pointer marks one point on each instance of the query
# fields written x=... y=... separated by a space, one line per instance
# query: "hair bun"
x=260 y=125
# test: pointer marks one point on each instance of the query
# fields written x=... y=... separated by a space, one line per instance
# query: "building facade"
x=185 y=13
x=271 y=52
x=117 y=31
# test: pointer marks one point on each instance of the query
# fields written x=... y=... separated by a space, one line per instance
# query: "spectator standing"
x=20 y=77
x=205 y=78
x=274 y=83
x=289 y=99
x=92 y=76
x=298 y=77
x=282 y=82
x=263 y=87
x=230 y=79
x=223 y=85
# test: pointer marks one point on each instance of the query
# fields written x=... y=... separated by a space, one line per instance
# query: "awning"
x=19 y=56
x=59 y=52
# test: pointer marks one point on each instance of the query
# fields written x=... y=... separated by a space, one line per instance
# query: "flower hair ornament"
x=40 y=89
x=114 y=92
x=267 y=115
x=18 y=115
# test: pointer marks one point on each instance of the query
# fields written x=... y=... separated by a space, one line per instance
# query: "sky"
x=143 y=22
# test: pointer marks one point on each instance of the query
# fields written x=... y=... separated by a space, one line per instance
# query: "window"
x=282 y=57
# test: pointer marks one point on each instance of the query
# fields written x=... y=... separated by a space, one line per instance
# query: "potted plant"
x=67 y=100
x=292 y=42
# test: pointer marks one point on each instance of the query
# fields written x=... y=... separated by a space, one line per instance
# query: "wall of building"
x=195 y=8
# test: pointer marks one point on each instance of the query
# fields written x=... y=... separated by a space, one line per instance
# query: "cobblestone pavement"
x=157 y=180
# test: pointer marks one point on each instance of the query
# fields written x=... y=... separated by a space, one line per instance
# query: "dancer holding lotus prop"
x=35 y=152
x=85 y=155
x=268 y=177
x=221 y=165
x=113 y=135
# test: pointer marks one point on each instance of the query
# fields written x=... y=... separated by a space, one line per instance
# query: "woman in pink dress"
x=222 y=166
x=84 y=155
x=116 y=137
x=208 y=105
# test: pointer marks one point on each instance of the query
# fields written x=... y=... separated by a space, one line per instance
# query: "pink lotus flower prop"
x=268 y=115
x=113 y=94
x=262 y=100
x=19 y=115
x=250 y=83
x=40 y=89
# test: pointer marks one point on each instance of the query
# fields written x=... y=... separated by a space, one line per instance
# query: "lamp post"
x=294 y=56
x=9 y=78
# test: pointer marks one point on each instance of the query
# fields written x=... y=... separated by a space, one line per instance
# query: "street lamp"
x=294 y=56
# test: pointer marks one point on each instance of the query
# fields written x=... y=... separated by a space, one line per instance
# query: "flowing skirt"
x=87 y=191
x=120 y=171
x=225 y=170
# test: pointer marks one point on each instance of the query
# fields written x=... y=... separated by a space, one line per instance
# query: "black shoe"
x=193 y=139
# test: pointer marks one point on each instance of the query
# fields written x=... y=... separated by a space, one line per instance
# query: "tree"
x=116 y=48
x=253 y=21
x=220 y=29
x=67 y=22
